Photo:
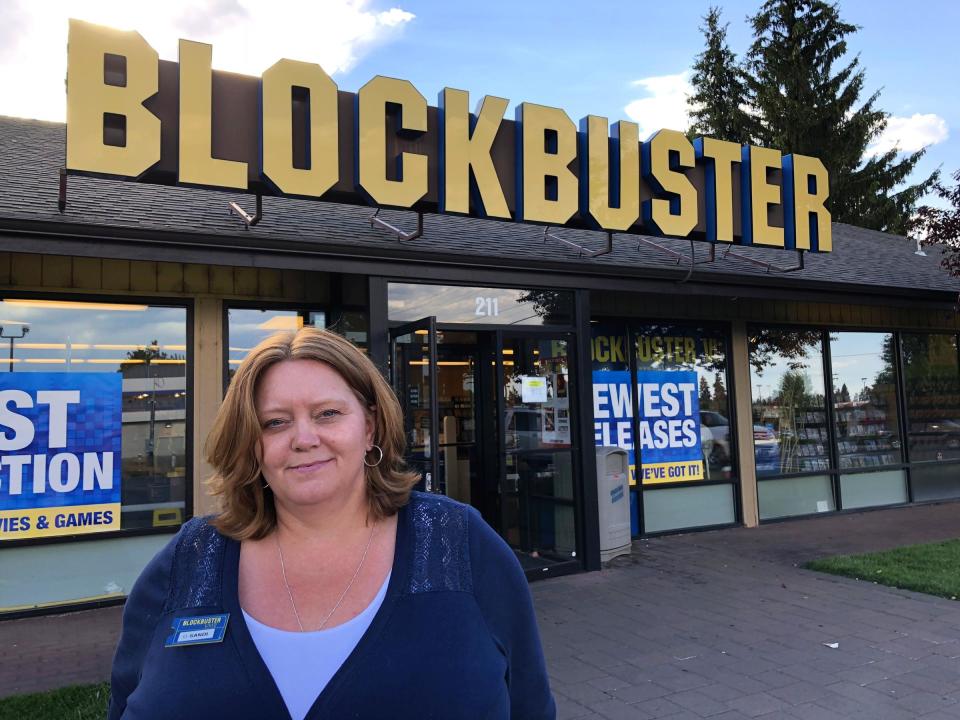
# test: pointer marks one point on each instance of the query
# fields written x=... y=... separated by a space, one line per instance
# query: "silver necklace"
x=283 y=572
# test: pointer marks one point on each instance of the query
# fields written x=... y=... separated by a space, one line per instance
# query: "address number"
x=487 y=307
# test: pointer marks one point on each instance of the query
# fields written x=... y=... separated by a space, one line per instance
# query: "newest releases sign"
x=59 y=453
x=668 y=422
x=293 y=132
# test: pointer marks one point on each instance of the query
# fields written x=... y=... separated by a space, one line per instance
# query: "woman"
x=325 y=588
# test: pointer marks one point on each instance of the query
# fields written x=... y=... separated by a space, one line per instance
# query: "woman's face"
x=314 y=433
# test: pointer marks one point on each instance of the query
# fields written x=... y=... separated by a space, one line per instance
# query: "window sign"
x=669 y=426
x=533 y=389
x=669 y=422
x=60 y=437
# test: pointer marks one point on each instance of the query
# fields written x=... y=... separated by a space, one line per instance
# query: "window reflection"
x=932 y=385
x=478 y=305
x=865 y=399
x=789 y=413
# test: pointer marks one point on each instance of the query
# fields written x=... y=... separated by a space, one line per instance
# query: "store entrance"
x=489 y=417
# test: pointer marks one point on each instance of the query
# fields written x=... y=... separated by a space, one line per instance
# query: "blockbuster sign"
x=293 y=132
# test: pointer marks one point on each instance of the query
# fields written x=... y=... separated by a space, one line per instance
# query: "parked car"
x=766 y=450
x=720 y=432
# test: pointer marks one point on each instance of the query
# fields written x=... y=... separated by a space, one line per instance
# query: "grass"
x=81 y=702
x=933 y=569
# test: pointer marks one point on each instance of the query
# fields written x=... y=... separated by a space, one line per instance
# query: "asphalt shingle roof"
x=31 y=153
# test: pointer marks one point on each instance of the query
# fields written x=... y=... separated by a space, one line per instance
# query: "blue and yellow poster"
x=668 y=422
x=60 y=436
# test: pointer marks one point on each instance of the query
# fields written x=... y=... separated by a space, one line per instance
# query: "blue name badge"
x=198 y=630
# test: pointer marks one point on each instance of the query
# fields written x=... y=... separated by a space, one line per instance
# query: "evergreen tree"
x=804 y=97
x=719 y=394
x=706 y=399
x=716 y=108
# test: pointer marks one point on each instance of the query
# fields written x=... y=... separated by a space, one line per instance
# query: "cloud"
x=665 y=106
x=909 y=134
x=248 y=36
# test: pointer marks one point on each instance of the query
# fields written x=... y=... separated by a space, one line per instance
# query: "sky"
x=619 y=59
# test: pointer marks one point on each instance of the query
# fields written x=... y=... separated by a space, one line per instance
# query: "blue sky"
x=624 y=60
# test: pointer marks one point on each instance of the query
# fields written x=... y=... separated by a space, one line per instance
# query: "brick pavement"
x=720 y=624
x=725 y=625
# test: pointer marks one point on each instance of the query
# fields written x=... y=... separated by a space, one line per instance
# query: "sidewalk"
x=725 y=625
x=720 y=624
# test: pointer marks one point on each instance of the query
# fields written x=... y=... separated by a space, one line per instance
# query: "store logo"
x=293 y=132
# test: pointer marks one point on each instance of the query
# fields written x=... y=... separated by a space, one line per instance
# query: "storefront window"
x=789 y=412
x=866 y=419
x=407 y=302
x=932 y=384
x=865 y=399
x=932 y=390
x=682 y=419
x=95 y=398
x=790 y=428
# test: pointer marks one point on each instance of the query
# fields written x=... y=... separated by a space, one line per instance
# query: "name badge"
x=198 y=630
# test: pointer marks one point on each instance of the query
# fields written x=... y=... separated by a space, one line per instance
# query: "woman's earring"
x=379 y=459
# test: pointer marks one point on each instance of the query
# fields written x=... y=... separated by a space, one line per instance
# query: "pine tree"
x=796 y=92
x=719 y=394
x=807 y=106
x=716 y=108
x=705 y=397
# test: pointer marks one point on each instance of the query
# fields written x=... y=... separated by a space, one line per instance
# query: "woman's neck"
x=318 y=525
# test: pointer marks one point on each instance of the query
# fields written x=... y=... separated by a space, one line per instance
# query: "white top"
x=302 y=663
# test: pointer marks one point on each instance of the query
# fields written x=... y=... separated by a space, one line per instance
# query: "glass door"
x=413 y=366
x=537 y=481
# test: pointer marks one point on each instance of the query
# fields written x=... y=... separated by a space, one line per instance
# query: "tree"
x=719 y=394
x=844 y=394
x=942 y=225
x=804 y=98
x=706 y=398
x=716 y=108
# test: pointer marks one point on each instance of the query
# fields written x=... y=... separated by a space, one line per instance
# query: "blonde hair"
x=247 y=507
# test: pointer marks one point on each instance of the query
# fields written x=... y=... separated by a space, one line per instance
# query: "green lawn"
x=933 y=569
x=82 y=702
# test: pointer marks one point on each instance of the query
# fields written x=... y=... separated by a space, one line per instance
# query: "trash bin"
x=613 y=486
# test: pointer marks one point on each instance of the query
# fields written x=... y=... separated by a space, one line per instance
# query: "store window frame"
x=186 y=304
x=631 y=325
x=906 y=465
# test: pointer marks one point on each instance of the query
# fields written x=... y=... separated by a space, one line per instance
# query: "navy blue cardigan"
x=456 y=636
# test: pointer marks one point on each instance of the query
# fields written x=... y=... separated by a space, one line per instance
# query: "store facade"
x=747 y=384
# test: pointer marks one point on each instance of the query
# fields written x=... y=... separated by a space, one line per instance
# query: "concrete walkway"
x=726 y=625
x=720 y=624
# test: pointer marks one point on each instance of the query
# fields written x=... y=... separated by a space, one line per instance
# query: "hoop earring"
x=379 y=460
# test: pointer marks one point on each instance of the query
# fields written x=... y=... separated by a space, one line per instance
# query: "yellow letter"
x=547 y=144
x=664 y=154
x=464 y=148
x=323 y=168
x=719 y=157
x=757 y=195
x=89 y=98
x=620 y=209
x=371 y=142
x=197 y=165
x=806 y=186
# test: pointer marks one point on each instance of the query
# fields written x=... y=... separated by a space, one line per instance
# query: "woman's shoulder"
x=450 y=539
x=186 y=571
